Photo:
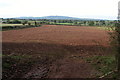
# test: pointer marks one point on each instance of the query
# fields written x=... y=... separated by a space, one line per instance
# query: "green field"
x=65 y=23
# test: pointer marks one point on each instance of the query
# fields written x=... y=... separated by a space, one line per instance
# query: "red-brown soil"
x=71 y=35
x=65 y=48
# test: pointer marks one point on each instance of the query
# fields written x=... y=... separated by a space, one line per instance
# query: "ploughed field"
x=67 y=35
x=53 y=51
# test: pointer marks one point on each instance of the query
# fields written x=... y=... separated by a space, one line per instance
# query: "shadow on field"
x=21 y=58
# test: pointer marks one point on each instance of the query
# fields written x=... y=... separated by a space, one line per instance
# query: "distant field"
x=65 y=23
x=107 y=28
x=3 y=25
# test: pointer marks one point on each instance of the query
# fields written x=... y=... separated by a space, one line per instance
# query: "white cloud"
x=75 y=8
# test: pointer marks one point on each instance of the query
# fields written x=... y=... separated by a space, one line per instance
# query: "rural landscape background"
x=58 y=46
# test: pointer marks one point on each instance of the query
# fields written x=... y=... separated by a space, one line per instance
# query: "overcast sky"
x=102 y=9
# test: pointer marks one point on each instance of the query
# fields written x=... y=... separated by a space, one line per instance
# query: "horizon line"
x=63 y=16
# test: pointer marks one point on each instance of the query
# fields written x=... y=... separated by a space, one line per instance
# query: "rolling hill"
x=56 y=18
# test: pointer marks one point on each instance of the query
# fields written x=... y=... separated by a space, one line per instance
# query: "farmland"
x=57 y=51
x=4 y=25
x=15 y=24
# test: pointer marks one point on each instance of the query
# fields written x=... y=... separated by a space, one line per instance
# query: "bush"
x=16 y=22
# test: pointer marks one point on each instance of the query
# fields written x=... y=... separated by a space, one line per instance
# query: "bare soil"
x=56 y=51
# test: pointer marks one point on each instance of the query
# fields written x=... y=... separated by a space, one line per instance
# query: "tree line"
x=62 y=22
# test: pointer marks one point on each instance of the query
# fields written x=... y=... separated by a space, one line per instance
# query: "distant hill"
x=56 y=18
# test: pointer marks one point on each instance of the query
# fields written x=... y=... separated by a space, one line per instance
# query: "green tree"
x=16 y=22
x=8 y=21
x=24 y=22
x=91 y=23
x=29 y=23
x=35 y=23
x=118 y=46
x=75 y=23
